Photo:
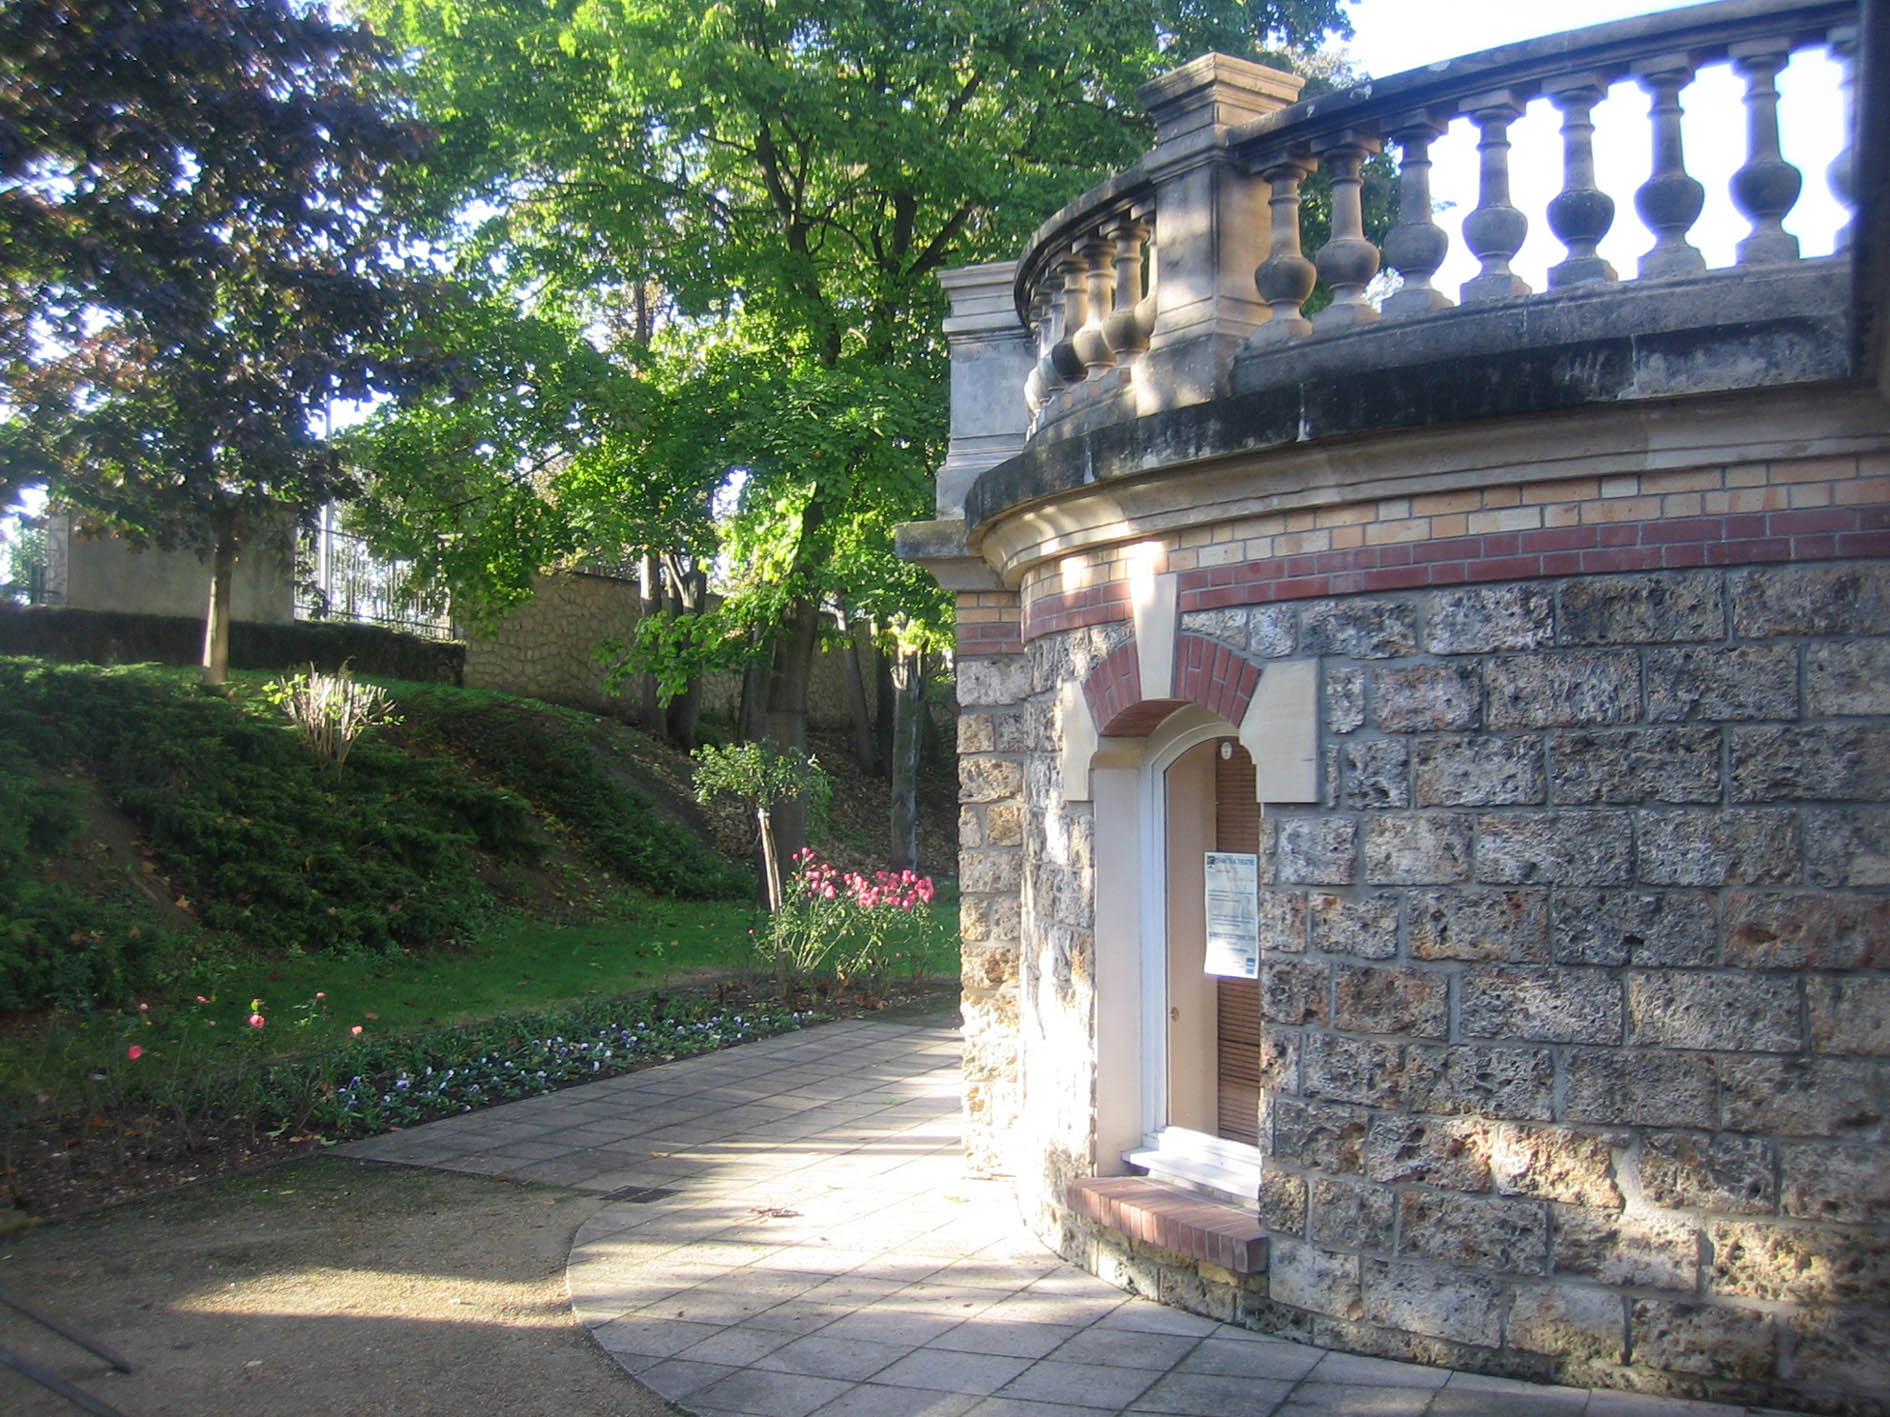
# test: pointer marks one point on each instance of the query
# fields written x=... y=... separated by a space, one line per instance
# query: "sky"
x=1396 y=35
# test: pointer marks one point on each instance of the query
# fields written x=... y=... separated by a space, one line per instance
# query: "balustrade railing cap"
x=1214 y=90
x=981 y=298
x=1702 y=31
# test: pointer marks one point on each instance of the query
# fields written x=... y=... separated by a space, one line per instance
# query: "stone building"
x=1424 y=842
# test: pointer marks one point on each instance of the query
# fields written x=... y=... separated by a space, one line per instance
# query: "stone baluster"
x=1091 y=344
x=1581 y=213
x=1348 y=261
x=1069 y=366
x=1669 y=201
x=1044 y=378
x=1494 y=232
x=1416 y=246
x=1286 y=277
x=1767 y=187
x=1125 y=329
x=1842 y=173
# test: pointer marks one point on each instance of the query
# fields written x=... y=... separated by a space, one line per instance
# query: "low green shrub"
x=253 y=833
x=185 y=1078
x=563 y=774
x=58 y=944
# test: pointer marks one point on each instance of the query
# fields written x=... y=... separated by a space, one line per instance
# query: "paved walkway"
x=791 y=1233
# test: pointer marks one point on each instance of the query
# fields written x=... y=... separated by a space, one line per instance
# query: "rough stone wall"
x=542 y=650
x=1577 y=1001
x=1058 y=970
x=992 y=694
x=1580 y=1020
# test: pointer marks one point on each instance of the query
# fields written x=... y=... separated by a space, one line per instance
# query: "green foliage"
x=251 y=834
x=57 y=944
x=711 y=235
x=258 y=838
x=203 y=250
x=330 y=711
x=763 y=776
x=563 y=775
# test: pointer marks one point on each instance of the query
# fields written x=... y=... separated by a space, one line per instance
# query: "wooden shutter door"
x=1237 y=1013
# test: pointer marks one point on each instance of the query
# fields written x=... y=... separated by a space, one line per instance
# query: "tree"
x=763 y=777
x=792 y=174
x=198 y=253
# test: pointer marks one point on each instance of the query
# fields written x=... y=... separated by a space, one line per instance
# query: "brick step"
x=1162 y=1214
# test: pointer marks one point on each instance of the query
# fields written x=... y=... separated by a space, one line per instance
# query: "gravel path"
x=324 y=1287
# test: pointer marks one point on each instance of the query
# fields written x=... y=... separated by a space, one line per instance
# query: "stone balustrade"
x=1186 y=278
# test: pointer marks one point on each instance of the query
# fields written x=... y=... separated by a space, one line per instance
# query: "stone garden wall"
x=543 y=650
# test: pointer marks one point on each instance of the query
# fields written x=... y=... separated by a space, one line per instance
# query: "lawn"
x=518 y=965
x=216 y=939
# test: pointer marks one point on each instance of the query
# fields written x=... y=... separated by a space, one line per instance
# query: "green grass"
x=434 y=823
x=517 y=964
x=327 y=904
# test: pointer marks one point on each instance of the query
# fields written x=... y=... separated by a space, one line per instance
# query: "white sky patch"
x=1395 y=35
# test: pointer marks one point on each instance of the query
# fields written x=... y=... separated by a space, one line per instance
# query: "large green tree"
x=791 y=174
x=197 y=255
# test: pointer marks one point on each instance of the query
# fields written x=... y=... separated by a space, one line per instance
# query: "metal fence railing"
x=337 y=577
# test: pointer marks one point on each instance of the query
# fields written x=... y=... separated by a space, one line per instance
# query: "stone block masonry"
x=1576 y=978
x=1552 y=633
x=993 y=682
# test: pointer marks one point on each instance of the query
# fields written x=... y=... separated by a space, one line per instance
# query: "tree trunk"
x=216 y=620
x=884 y=696
x=908 y=707
x=686 y=592
x=784 y=719
x=649 y=602
x=748 y=727
x=685 y=712
x=856 y=698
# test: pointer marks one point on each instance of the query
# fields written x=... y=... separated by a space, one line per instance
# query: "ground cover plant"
x=257 y=838
x=557 y=772
x=283 y=947
x=136 y=1089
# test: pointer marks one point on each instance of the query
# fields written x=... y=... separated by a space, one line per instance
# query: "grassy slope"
x=247 y=846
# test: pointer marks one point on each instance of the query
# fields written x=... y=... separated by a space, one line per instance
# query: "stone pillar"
x=991 y=693
x=991 y=356
x=1211 y=225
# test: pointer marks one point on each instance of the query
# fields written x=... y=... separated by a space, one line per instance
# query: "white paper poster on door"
x=1233 y=914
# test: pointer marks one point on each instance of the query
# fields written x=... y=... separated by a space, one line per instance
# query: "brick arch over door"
x=1218 y=677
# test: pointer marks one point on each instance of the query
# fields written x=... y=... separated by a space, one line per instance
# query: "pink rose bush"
x=851 y=926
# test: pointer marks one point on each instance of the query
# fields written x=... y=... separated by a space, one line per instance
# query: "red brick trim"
x=1114 y=687
x=1172 y=1219
x=1000 y=637
x=1807 y=534
x=1105 y=604
x=1219 y=678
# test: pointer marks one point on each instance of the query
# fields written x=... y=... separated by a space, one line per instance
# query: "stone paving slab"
x=793 y=1234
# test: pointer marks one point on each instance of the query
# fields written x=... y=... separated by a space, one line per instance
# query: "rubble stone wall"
x=543 y=650
x=1576 y=979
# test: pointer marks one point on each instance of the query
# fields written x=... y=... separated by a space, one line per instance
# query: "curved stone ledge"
x=1629 y=437
x=1620 y=345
